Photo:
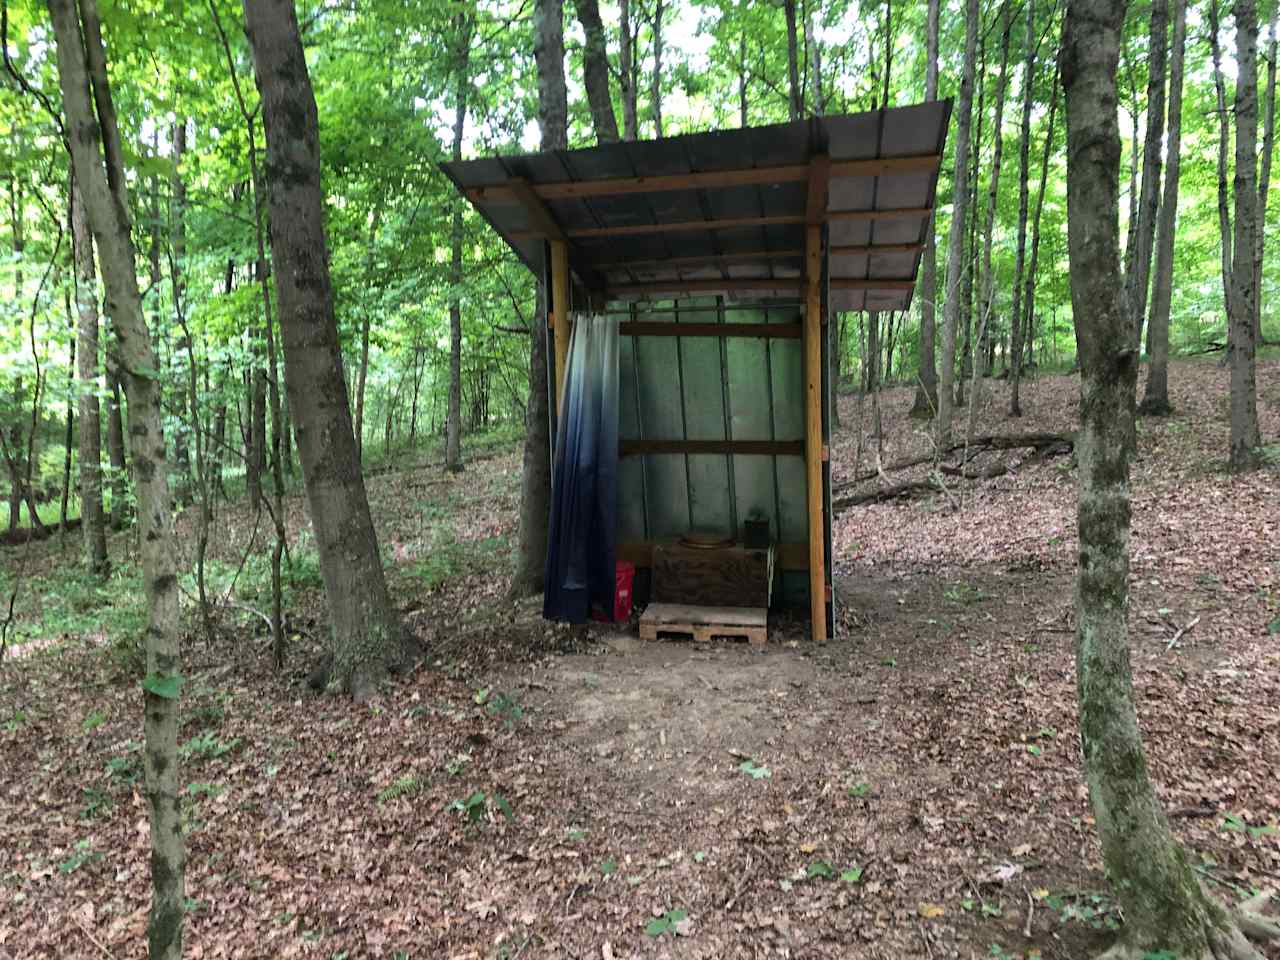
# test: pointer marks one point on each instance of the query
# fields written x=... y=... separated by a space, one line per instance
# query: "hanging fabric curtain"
x=582 y=539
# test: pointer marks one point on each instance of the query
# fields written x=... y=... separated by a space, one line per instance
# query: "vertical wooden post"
x=560 y=303
x=813 y=430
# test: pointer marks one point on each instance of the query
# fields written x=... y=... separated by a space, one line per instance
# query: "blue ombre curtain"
x=582 y=541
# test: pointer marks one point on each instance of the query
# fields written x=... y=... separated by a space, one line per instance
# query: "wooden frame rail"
x=658 y=328
x=714 y=179
x=762 y=448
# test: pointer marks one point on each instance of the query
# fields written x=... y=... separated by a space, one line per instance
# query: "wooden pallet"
x=703 y=623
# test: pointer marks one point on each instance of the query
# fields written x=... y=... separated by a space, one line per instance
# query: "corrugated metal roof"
x=625 y=235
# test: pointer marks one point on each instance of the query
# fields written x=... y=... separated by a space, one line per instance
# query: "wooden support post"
x=813 y=430
x=560 y=303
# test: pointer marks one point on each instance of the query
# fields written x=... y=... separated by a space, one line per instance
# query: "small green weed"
x=407 y=785
x=755 y=771
x=93 y=720
x=672 y=921
x=1096 y=910
x=965 y=593
x=1237 y=824
x=128 y=767
x=84 y=853
x=506 y=707
x=475 y=807
x=860 y=789
x=207 y=746
x=97 y=803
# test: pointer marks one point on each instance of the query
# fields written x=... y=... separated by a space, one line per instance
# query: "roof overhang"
x=725 y=212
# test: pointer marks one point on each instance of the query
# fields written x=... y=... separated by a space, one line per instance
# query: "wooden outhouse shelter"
x=722 y=256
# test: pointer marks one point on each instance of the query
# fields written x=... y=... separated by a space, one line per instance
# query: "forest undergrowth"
x=912 y=789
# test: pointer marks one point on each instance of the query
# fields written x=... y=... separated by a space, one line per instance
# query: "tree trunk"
x=115 y=451
x=367 y=637
x=1264 y=178
x=655 y=81
x=955 y=241
x=1031 y=48
x=993 y=190
x=1164 y=906
x=535 y=483
x=815 y=60
x=1242 y=305
x=627 y=72
x=93 y=523
x=595 y=71
x=795 y=100
x=926 y=402
x=1224 y=146
x=836 y=348
x=1029 y=284
x=366 y=320
x=69 y=434
x=743 y=102
x=453 y=423
x=971 y=242
x=91 y=128
x=1138 y=281
x=14 y=460
x=1155 y=402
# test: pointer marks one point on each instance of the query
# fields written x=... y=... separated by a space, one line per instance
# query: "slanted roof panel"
x=748 y=186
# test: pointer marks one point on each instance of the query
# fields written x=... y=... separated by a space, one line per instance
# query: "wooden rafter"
x=757 y=176
x=853 y=283
x=702 y=286
x=539 y=214
x=730 y=223
x=707 y=259
x=875 y=248
x=819 y=178
x=658 y=328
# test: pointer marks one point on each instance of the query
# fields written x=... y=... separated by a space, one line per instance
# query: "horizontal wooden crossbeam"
x=765 y=448
x=873 y=249
x=706 y=259
x=730 y=223
x=700 y=286
x=789 y=556
x=714 y=179
x=657 y=328
x=849 y=283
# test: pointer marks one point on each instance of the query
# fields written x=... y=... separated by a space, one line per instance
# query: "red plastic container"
x=624 y=580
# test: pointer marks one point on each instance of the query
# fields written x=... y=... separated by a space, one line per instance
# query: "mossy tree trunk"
x=959 y=211
x=367 y=638
x=535 y=477
x=1246 y=439
x=926 y=401
x=1155 y=401
x=94 y=521
x=1164 y=905
x=93 y=135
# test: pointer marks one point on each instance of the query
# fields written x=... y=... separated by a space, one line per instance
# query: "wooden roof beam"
x=851 y=283
x=701 y=286
x=540 y=215
x=707 y=180
x=819 y=178
x=732 y=223
x=708 y=259
x=875 y=248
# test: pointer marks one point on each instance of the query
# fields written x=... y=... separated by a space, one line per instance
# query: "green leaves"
x=754 y=770
x=168 y=686
x=673 y=921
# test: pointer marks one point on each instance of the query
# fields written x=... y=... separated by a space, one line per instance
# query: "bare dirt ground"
x=912 y=789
